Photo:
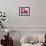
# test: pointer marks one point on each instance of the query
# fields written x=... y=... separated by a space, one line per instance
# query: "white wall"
x=25 y=24
x=37 y=16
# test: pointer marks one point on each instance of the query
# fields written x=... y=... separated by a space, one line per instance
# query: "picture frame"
x=24 y=11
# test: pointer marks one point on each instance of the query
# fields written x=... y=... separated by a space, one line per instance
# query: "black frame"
x=24 y=7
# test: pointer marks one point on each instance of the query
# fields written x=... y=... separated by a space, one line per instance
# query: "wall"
x=35 y=22
x=37 y=16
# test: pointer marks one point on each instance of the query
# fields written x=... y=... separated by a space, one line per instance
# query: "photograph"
x=24 y=11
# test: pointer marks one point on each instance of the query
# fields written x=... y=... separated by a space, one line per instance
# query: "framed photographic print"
x=24 y=11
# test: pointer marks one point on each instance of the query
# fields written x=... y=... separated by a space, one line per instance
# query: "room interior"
x=22 y=23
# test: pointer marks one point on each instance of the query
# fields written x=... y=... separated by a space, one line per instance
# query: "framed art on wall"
x=24 y=11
